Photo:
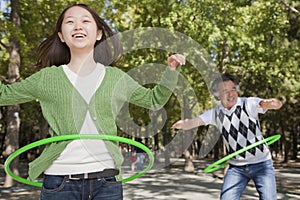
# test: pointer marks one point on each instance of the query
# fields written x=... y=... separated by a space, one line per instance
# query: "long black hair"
x=107 y=51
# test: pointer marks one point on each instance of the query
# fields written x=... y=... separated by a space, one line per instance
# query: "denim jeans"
x=140 y=161
x=237 y=178
x=61 y=188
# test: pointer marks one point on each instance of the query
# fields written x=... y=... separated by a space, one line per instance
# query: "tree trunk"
x=295 y=141
x=188 y=164
x=166 y=136
x=188 y=158
x=12 y=115
x=12 y=140
x=225 y=55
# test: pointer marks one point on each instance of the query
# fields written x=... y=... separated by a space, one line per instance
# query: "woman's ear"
x=99 y=35
x=61 y=37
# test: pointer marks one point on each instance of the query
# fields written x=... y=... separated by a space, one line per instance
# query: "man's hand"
x=272 y=104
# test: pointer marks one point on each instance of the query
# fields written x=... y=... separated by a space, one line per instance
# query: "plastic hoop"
x=221 y=163
x=76 y=137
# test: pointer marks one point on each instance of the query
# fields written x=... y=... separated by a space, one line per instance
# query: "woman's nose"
x=78 y=26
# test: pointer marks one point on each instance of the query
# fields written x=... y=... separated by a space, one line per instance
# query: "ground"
x=174 y=183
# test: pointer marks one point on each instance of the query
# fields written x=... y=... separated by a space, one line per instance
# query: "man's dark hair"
x=223 y=78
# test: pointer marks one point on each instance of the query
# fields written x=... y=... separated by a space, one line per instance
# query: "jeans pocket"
x=53 y=183
x=110 y=180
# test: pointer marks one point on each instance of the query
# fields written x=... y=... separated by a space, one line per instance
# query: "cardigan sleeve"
x=21 y=92
x=151 y=98
x=156 y=97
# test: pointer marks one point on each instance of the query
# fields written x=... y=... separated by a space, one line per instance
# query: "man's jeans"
x=237 y=177
x=61 y=188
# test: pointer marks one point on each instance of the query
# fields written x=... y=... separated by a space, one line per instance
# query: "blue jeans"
x=237 y=178
x=140 y=161
x=61 y=188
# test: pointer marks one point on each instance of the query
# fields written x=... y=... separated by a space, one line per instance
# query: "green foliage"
x=258 y=41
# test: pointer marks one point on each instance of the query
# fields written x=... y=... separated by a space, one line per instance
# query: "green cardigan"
x=65 y=109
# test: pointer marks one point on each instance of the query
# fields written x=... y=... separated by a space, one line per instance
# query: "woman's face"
x=79 y=30
x=228 y=94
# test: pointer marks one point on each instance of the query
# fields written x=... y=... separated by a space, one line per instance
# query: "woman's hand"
x=175 y=60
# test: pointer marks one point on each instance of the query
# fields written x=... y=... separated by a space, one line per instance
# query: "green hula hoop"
x=76 y=137
x=222 y=162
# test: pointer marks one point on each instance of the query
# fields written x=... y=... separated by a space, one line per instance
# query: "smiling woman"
x=80 y=32
x=54 y=50
x=76 y=95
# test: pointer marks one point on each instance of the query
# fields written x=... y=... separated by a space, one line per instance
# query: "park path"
x=176 y=184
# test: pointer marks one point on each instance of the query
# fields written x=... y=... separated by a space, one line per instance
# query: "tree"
x=12 y=112
x=256 y=40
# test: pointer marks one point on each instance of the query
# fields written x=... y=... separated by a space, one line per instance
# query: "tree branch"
x=5 y=46
x=291 y=8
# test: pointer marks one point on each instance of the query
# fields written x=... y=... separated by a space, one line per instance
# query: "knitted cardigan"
x=65 y=109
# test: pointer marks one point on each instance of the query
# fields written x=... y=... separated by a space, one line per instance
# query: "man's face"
x=228 y=94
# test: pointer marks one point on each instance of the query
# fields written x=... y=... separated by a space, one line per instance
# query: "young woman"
x=80 y=94
x=237 y=120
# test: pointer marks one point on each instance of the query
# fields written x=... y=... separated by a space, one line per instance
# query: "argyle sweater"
x=65 y=109
x=240 y=127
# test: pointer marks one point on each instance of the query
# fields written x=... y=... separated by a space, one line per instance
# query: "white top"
x=252 y=102
x=240 y=128
x=83 y=156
